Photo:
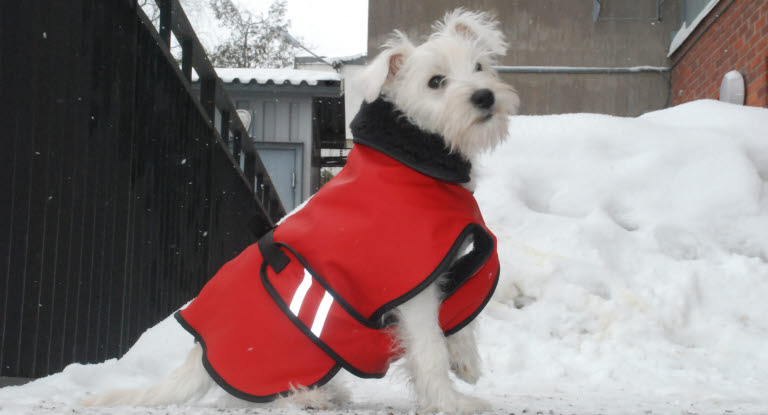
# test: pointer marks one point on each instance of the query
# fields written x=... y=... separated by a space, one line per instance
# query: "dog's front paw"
x=467 y=370
x=458 y=403
x=464 y=357
x=465 y=360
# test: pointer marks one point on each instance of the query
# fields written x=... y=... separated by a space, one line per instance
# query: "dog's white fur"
x=401 y=73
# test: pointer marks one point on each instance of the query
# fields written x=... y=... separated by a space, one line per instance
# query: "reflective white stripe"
x=298 y=297
x=322 y=313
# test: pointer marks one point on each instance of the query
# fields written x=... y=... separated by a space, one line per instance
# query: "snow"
x=329 y=61
x=634 y=276
x=348 y=58
x=686 y=29
x=277 y=76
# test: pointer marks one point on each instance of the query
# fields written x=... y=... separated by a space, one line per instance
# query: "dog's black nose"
x=483 y=99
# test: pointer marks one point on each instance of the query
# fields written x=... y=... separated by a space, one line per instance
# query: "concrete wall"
x=627 y=33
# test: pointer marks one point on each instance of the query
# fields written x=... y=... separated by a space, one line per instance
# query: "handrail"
x=213 y=96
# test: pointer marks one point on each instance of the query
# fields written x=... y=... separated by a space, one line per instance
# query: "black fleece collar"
x=380 y=126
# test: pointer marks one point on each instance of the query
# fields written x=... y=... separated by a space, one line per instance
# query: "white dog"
x=446 y=87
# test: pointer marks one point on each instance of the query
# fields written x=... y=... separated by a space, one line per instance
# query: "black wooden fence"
x=118 y=197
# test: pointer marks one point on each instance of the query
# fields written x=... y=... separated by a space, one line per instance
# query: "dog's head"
x=448 y=85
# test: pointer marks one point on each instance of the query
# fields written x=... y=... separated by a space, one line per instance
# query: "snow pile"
x=634 y=276
x=641 y=249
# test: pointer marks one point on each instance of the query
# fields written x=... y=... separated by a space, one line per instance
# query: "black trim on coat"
x=237 y=392
x=441 y=268
x=445 y=264
x=376 y=320
x=336 y=296
x=474 y=315
x=468 y=264
x=307 y=332
x=271 y=254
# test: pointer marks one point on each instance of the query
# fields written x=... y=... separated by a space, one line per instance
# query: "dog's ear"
x=480 y=27
x=383 y=69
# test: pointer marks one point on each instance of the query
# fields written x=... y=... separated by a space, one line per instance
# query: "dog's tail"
x=184 y=384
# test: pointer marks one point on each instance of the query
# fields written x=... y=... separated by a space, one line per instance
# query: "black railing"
x=119 y=198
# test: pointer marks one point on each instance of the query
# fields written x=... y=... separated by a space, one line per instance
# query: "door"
x=283 y=164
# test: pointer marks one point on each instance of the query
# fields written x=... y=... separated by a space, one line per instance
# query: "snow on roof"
x=317 y=59
x=276 y=76
x=350 y=57
x=314 y=60
x=686 y=30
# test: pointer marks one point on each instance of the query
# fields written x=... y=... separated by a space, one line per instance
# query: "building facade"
x=619 y=57
x=293 y=115
x=606 y=36
x=720 y=37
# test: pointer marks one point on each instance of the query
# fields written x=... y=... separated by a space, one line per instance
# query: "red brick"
x=738 y=44
x=759 y=82
x=741 y=63
x=737 y=40
x=754 y=99
x=756 y=62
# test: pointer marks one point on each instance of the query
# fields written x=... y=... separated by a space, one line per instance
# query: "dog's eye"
x=478 y=67
x=436 y=81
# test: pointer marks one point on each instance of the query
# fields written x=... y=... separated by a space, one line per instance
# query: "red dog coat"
x=312 y=296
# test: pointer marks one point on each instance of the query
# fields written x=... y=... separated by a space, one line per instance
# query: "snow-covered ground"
x=634 y=277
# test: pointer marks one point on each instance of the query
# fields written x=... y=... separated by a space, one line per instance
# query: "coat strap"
x=271 y=253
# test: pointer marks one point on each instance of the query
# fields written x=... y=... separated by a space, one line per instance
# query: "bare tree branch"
x=255 y=41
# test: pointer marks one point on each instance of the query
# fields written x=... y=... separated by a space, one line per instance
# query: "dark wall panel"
x=117 y=199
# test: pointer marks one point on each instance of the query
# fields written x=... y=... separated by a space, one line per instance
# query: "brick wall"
x=734 y=36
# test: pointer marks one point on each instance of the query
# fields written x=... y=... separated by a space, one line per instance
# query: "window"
x=691 y=10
